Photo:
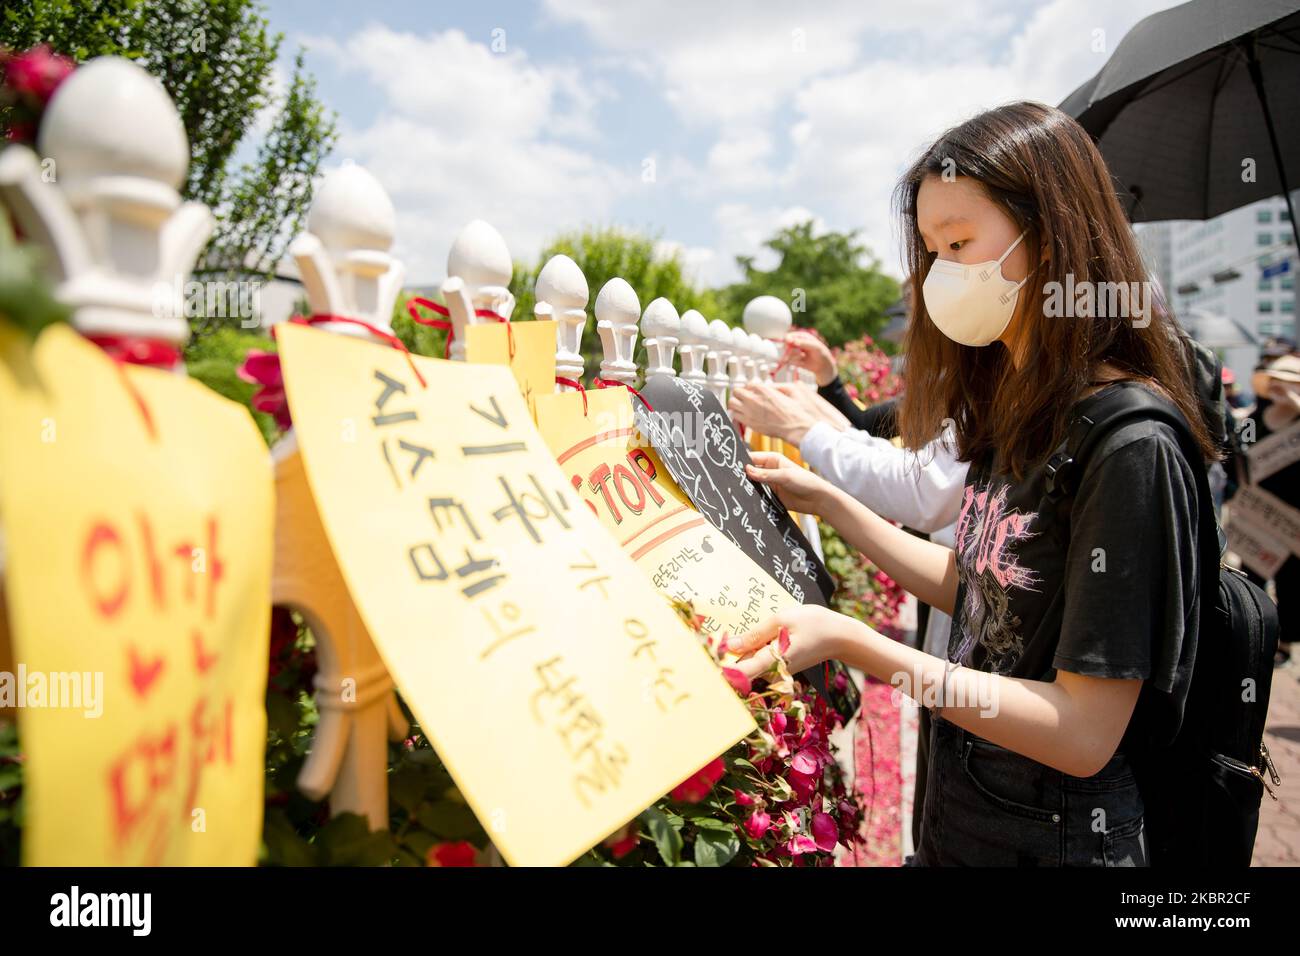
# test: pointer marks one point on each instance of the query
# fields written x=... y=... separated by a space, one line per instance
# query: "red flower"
x=738 y=681
x=777 y=723
x=757 y=825
x=37 y=73
x=805 y=762
x=700 y=784
x=624 y=841
x=742 y=798
x=804 y=785
x=825 y=832
x=263 y=368
x=452 y=854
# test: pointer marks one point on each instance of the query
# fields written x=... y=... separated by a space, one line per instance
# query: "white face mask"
x=971 y=304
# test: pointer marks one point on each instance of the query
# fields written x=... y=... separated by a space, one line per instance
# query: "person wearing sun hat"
x=1278 y=387
x=1277 y=390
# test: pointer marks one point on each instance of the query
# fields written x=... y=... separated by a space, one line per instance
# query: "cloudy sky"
x=708 y=123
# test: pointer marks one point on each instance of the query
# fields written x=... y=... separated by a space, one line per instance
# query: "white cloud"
x=777 y=113
x=871 y=86
x=462 y=133
x=738 y=160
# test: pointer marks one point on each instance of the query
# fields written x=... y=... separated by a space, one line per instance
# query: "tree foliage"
x=824 y=279
x=603 y=253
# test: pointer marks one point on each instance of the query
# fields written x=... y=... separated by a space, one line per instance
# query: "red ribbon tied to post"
x=612 y=383
x=416 y=303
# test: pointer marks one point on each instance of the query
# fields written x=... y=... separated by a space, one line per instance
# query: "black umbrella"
x=1198 y=109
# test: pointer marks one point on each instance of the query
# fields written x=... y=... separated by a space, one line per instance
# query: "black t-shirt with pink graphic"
x=1104 y=585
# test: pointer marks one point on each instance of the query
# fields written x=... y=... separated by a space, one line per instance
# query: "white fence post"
x=693 y=344
x=346 y=271
x=719 y=351
x=343 y=256
x=659 y=327
x=478 y=277
x=617 y=312
x=561 y=293
x=103 y=203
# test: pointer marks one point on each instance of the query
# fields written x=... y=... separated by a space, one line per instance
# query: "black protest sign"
x=706 y=456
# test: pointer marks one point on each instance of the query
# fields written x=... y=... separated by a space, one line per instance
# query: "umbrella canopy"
x=1217 y=331
x=1196 y=110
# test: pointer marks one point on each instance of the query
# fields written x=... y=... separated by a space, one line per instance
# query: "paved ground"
x=1278 y=842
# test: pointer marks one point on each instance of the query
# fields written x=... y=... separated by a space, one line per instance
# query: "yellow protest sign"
x=628 y=488
x=137 y=510
x=562 y=693
x=527 y=347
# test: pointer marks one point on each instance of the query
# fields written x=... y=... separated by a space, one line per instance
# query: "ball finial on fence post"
x=617 y=312
x=343 y=256
x=478 y=277
x=104 y=203
x=719 y=351
x=693 y=344
x=769 y=317
x=660 y=326
x=561 y=293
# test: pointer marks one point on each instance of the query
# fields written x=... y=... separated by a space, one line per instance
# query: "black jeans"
x=988 y=806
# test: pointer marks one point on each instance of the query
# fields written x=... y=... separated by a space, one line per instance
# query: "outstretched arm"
x=926 y=569
x=1073 y=723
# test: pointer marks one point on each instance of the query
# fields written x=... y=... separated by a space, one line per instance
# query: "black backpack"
x=1202 y=780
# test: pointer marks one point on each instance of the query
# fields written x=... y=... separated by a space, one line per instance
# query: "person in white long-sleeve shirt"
x=921 y=490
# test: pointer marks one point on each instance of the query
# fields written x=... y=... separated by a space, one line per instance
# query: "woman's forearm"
x=926 y=569
x=1073 y=725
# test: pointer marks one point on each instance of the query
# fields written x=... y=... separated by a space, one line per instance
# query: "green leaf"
x=716 y=847
x=447 y=820
x=781 y=791
x=284 y=846
x=406 y=787
x=667 y=838
x=281 y=715
x=347 y=840
x=419 y=842
x=713 y=823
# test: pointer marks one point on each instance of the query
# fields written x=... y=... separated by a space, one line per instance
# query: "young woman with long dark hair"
x=1071 y=626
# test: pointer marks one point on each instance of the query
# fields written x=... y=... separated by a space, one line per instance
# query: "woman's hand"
x=798 y=488
x=804 y=635
x=769 y=410
x=810 y=352
x=820 y=409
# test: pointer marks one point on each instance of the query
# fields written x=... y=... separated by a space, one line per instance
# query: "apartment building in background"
x=1231 y=279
